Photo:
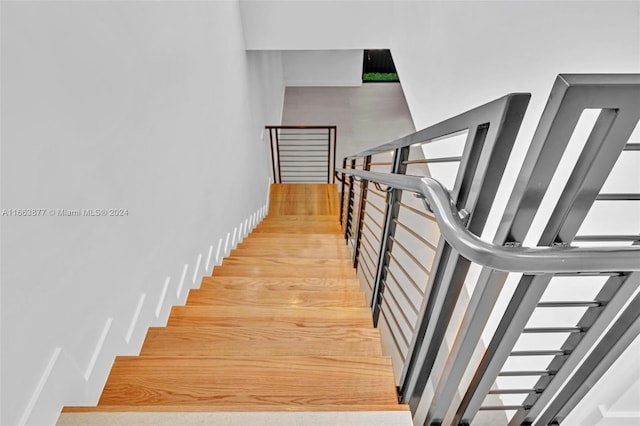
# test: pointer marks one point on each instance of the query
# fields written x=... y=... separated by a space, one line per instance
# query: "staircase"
x=280 y=334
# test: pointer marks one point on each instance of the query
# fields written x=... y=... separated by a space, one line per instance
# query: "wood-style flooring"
x=280 y=326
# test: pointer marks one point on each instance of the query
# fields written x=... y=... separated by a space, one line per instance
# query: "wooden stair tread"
x=232 y=408
x=282 y=283
x=305 y=241
x=300 y=238
x=273 y=250
x=317 y=271
x=209 y=296
x=289 y=380
x=315 y=228
x=251 y=316
x=261 y=341
x=308 y=199
x=285 y=267
x=287 y=262
x=299 y=221
x=301 y=218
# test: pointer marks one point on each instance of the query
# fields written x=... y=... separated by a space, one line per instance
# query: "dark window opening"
x=378 y=66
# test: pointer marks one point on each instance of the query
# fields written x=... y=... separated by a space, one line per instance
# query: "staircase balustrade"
x=456 y=306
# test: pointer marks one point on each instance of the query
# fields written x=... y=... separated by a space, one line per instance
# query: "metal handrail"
x=528 y=260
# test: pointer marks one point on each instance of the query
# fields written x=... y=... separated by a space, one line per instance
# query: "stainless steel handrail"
x=529 y=260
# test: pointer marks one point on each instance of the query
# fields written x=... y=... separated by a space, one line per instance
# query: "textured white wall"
x=146 y=106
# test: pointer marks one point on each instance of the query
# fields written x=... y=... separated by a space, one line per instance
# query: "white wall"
x=149 y=107
x=454 y=56
x=316 y=24
x=322 y=67
x=266 y=88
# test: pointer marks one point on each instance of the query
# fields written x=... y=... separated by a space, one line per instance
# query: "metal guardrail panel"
x=303 y=154
x=461 y=214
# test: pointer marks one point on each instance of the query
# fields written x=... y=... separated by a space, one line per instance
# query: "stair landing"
x=280 y=334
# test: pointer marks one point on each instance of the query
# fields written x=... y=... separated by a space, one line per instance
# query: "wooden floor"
x=280 y=326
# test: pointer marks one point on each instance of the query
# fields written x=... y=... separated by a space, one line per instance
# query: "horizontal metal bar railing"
x=449 y=366
x=303 y=154
x=529 y=260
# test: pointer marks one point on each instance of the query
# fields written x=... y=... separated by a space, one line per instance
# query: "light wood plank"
x=281 y=283
x=247 y=381
x=275 y=298
x=326 y=252
x=266 y=271
x=301 y=218
x=309 y=228
x=282 y=262
x=302 y=239
x=281 y=267
x=261 y=341
x=232 y=408
x=251 y=316
x=308 y=199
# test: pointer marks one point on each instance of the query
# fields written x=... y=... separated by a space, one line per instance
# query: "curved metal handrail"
x=529 y=260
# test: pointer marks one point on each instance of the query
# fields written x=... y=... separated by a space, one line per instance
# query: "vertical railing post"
x=334 y=143
x=401 y=155
x=277 y=178
x=349 y=222
x=331 y=153
x=342 y=184
x=329 y=168
x=361 y=207
x=273 y=154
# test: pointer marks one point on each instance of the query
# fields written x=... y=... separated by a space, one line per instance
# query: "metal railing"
x=303 y=154
x=460 y=315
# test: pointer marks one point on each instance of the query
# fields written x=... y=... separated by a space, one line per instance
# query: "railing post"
x=344 y=166
x=331 y=153
x=333 y=145
x=349 y=222
x=361 y=207
x=399 y=166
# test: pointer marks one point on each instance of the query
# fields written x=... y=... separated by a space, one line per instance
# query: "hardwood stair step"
x=274 y=250
x=281 y=283
x=209 y=296
x=309 y=228
x=299 y=221
x=247 y=381
x=275 y=271
x=261 y=341
x=252 y=316
x=301 y=218
x=308 y=199
x=287 y=262
x=300 y=238
x=231 y=408
x=282 y=267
